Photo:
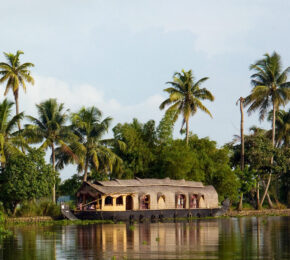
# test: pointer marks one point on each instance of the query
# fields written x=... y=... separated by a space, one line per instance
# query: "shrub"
x=42 y=207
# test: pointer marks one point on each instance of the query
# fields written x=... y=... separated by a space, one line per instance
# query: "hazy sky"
x=117 y=55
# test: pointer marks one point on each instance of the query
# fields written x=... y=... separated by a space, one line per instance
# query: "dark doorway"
x=129 y=202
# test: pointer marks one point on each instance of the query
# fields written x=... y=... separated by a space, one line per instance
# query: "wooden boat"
x=140 y=199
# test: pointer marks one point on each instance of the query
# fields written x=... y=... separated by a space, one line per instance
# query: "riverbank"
x=50 y=221
x=28 y=219
x=264 y=212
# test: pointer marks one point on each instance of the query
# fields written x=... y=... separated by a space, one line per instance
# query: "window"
x=119 y=200
x=193 y=202
x=108 y=200
x=161 y=202
x=145 y=202
x=180 y=201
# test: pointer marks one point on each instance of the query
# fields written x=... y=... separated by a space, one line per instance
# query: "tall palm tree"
x=270 y=89
x=16 y=75
x=241 y=101
x=185 y=97
x=282 y=127
x=90 y=149
x=50 y=129
x=10 y=139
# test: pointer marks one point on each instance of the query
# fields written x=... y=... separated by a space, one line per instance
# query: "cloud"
x=76 y=96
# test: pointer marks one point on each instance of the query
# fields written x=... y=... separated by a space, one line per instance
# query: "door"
x=129 y=202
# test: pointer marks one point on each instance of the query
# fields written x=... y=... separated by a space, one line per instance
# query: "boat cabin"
x=145 y=194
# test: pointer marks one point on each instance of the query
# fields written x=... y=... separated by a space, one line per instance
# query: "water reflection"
x=235 y=238
x=149 y=240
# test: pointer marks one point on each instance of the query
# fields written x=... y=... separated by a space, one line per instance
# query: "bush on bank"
x=38 y=208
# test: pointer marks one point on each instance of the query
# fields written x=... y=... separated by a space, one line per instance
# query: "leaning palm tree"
x=91 y=151
x=10 y=139
x=50 y=129
x=282 y=127
x=185 y=97
x=270 y=89
x=15 y=75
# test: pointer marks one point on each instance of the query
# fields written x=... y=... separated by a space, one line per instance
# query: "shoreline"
x=46 y=220
x=253 y=213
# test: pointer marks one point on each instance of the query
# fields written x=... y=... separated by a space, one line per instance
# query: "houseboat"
x=140 y=199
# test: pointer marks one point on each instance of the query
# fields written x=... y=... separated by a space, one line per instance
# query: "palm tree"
x=282 y=127
x=185 y=97
x=241 y=101
x=16 y=75
x=10 y=139
x=90 y=150
x=50 y=129
x=270 y=89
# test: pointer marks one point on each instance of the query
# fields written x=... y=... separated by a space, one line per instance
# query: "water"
x=228 y=238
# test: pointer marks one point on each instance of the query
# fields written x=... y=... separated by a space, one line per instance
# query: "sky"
x=118 y=55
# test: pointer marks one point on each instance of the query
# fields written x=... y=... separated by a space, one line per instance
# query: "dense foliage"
x=25 y=177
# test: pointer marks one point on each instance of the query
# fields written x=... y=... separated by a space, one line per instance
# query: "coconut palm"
x=282 y=127
x=10 y=139
x=90 y=150
x=185 y=97
x=50 y=129
x=241 y=101
x=15 y=75
x=270 y=90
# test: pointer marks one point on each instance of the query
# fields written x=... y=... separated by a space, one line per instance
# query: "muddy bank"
x=264 y=212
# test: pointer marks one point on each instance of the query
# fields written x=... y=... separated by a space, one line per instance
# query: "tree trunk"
x=187 y=131
x=268 y=197
x=270 y=201
x=273 y=127
x=242 y=134
x=86 y=170
x=258 y=196
x=14 y=209
x=240 y=207
x=272 y=159
x=17 y=106
x=266 y=189
x=53 y=166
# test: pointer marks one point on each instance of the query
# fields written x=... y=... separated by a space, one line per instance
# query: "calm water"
x=233 y=238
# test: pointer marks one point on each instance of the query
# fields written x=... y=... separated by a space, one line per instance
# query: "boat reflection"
x=158 y=238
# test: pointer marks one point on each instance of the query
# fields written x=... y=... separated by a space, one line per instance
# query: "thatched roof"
x=149 y=182
x=147 y=186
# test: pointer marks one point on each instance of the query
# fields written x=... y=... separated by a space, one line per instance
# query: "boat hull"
x=141 y=215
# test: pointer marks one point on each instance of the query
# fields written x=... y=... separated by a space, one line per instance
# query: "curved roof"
x=149 y=189
x=149 y=182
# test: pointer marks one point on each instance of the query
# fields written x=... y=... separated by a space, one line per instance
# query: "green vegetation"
x=15 y=75
x=89 y=150
x=10 y=140
x=25 y=177
x=239 y=171
x=3 y=231
x=50 y=129
x=271 y=89
x=186 y=96
x=42 y=207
